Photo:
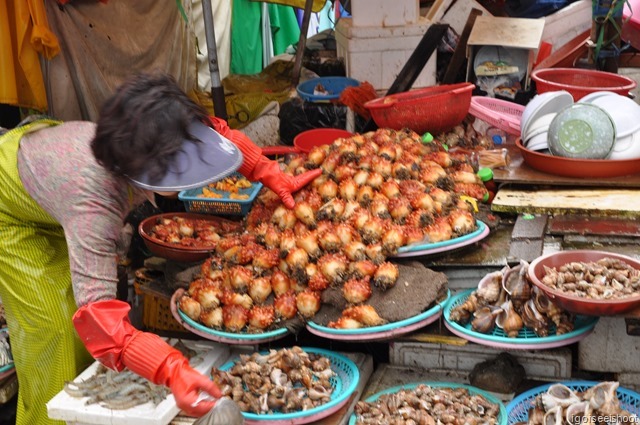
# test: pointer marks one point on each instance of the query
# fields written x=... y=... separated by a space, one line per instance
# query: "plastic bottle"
x=497 y=136
x=486 y=175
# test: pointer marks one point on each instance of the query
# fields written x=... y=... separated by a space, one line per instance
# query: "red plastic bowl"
x=433 y=109
x=581 y=168
x=183 y=254
x=581 y=82
x=307 y=140
x=578 y=305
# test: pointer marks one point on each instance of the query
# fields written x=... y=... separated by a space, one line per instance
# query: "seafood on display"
x=116 y=390
x=5 y=349
x=429 y=406
x=605 y=279
x=378 y=191
x=595 y=405
x=280 y=381
x=188 y=232
x=508 y=300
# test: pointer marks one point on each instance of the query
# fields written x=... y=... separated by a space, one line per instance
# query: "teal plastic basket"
x=518 y=408
x=232 y=335
x=429 y=246
x=582 y=326
x=502 y=416
x=436 y=309
x=194 y=203
x=344 y=383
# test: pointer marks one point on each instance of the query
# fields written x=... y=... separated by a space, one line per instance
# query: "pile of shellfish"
x=281 y=381
x=378 y=191
x=428 y=405
x=507 y=299
x=606 y=279
x=596 y=405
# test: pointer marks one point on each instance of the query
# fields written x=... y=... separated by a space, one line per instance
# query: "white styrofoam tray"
x=73 y=410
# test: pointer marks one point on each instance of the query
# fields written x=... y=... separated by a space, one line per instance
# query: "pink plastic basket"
x=500 y=113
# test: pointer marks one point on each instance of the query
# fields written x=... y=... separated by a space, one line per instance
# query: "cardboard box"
x=378 y=54
x=513 y=33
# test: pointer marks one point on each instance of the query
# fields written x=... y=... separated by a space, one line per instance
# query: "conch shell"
x=553 y=416
x=535 y=320
x=509 y=320
x=484 y=319
x=558 y=395
x=516 y=284
x=489 y=287
x=578 y=413
x=603 y=397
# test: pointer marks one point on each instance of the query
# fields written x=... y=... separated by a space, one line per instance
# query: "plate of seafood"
x=588 y=282
x=102 y=396
x=416 y=250
x=316 y=384
x=575 y=402
x=184 y=237
x=477 y=406
x=380 y=332
x=225 y=317
x=506 y=311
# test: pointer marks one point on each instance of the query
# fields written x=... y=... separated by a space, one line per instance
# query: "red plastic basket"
x=434 y=109
x=500 y=113
x=581 y=82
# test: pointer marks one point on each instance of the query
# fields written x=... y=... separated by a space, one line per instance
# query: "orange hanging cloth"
x=24 y=34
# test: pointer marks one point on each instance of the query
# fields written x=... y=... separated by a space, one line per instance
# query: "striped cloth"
x=46 y=350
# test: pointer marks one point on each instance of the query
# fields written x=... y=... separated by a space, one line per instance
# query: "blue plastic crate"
x=195 y=203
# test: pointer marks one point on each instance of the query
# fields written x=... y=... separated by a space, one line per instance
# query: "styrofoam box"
x=377 y=54
x=384 y=13
x=74 y=411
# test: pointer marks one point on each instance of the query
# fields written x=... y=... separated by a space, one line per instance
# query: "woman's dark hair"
x=142 y=126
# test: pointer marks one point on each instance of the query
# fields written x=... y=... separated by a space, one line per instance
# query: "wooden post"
x=297 y=66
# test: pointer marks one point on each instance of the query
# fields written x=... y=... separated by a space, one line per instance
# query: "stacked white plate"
x=537 y=117
x=625 y=114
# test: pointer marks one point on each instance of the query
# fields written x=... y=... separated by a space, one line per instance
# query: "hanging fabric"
x=317 y=4
x=24 y=34
x=284 y=27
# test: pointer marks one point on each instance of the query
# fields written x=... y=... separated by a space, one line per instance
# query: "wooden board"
x=600 y=202
x=519 y=172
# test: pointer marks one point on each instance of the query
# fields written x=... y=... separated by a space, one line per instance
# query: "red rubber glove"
x=257 y=167
x=106 y=331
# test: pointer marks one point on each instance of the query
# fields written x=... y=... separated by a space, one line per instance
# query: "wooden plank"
x=519 y=172
x=523 y=33
x=438 y=9
x=599 y=202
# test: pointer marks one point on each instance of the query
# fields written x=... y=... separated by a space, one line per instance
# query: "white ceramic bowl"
x=624 y=112
x=541 y=123
x=543 y=104
x=627 y=147
x=538 y=142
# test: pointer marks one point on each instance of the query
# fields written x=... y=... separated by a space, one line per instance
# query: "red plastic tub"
x=575 y=304
x=581 y=82
x=433 y=109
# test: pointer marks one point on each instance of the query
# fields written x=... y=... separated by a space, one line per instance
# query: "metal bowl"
x=577 y=305
x=183 y=254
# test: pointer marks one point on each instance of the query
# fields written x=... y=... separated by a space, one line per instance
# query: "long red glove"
x=257 y=167
x=106 y=331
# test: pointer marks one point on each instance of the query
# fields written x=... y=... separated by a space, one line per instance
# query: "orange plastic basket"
x=581 y=82
x=433 y=109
